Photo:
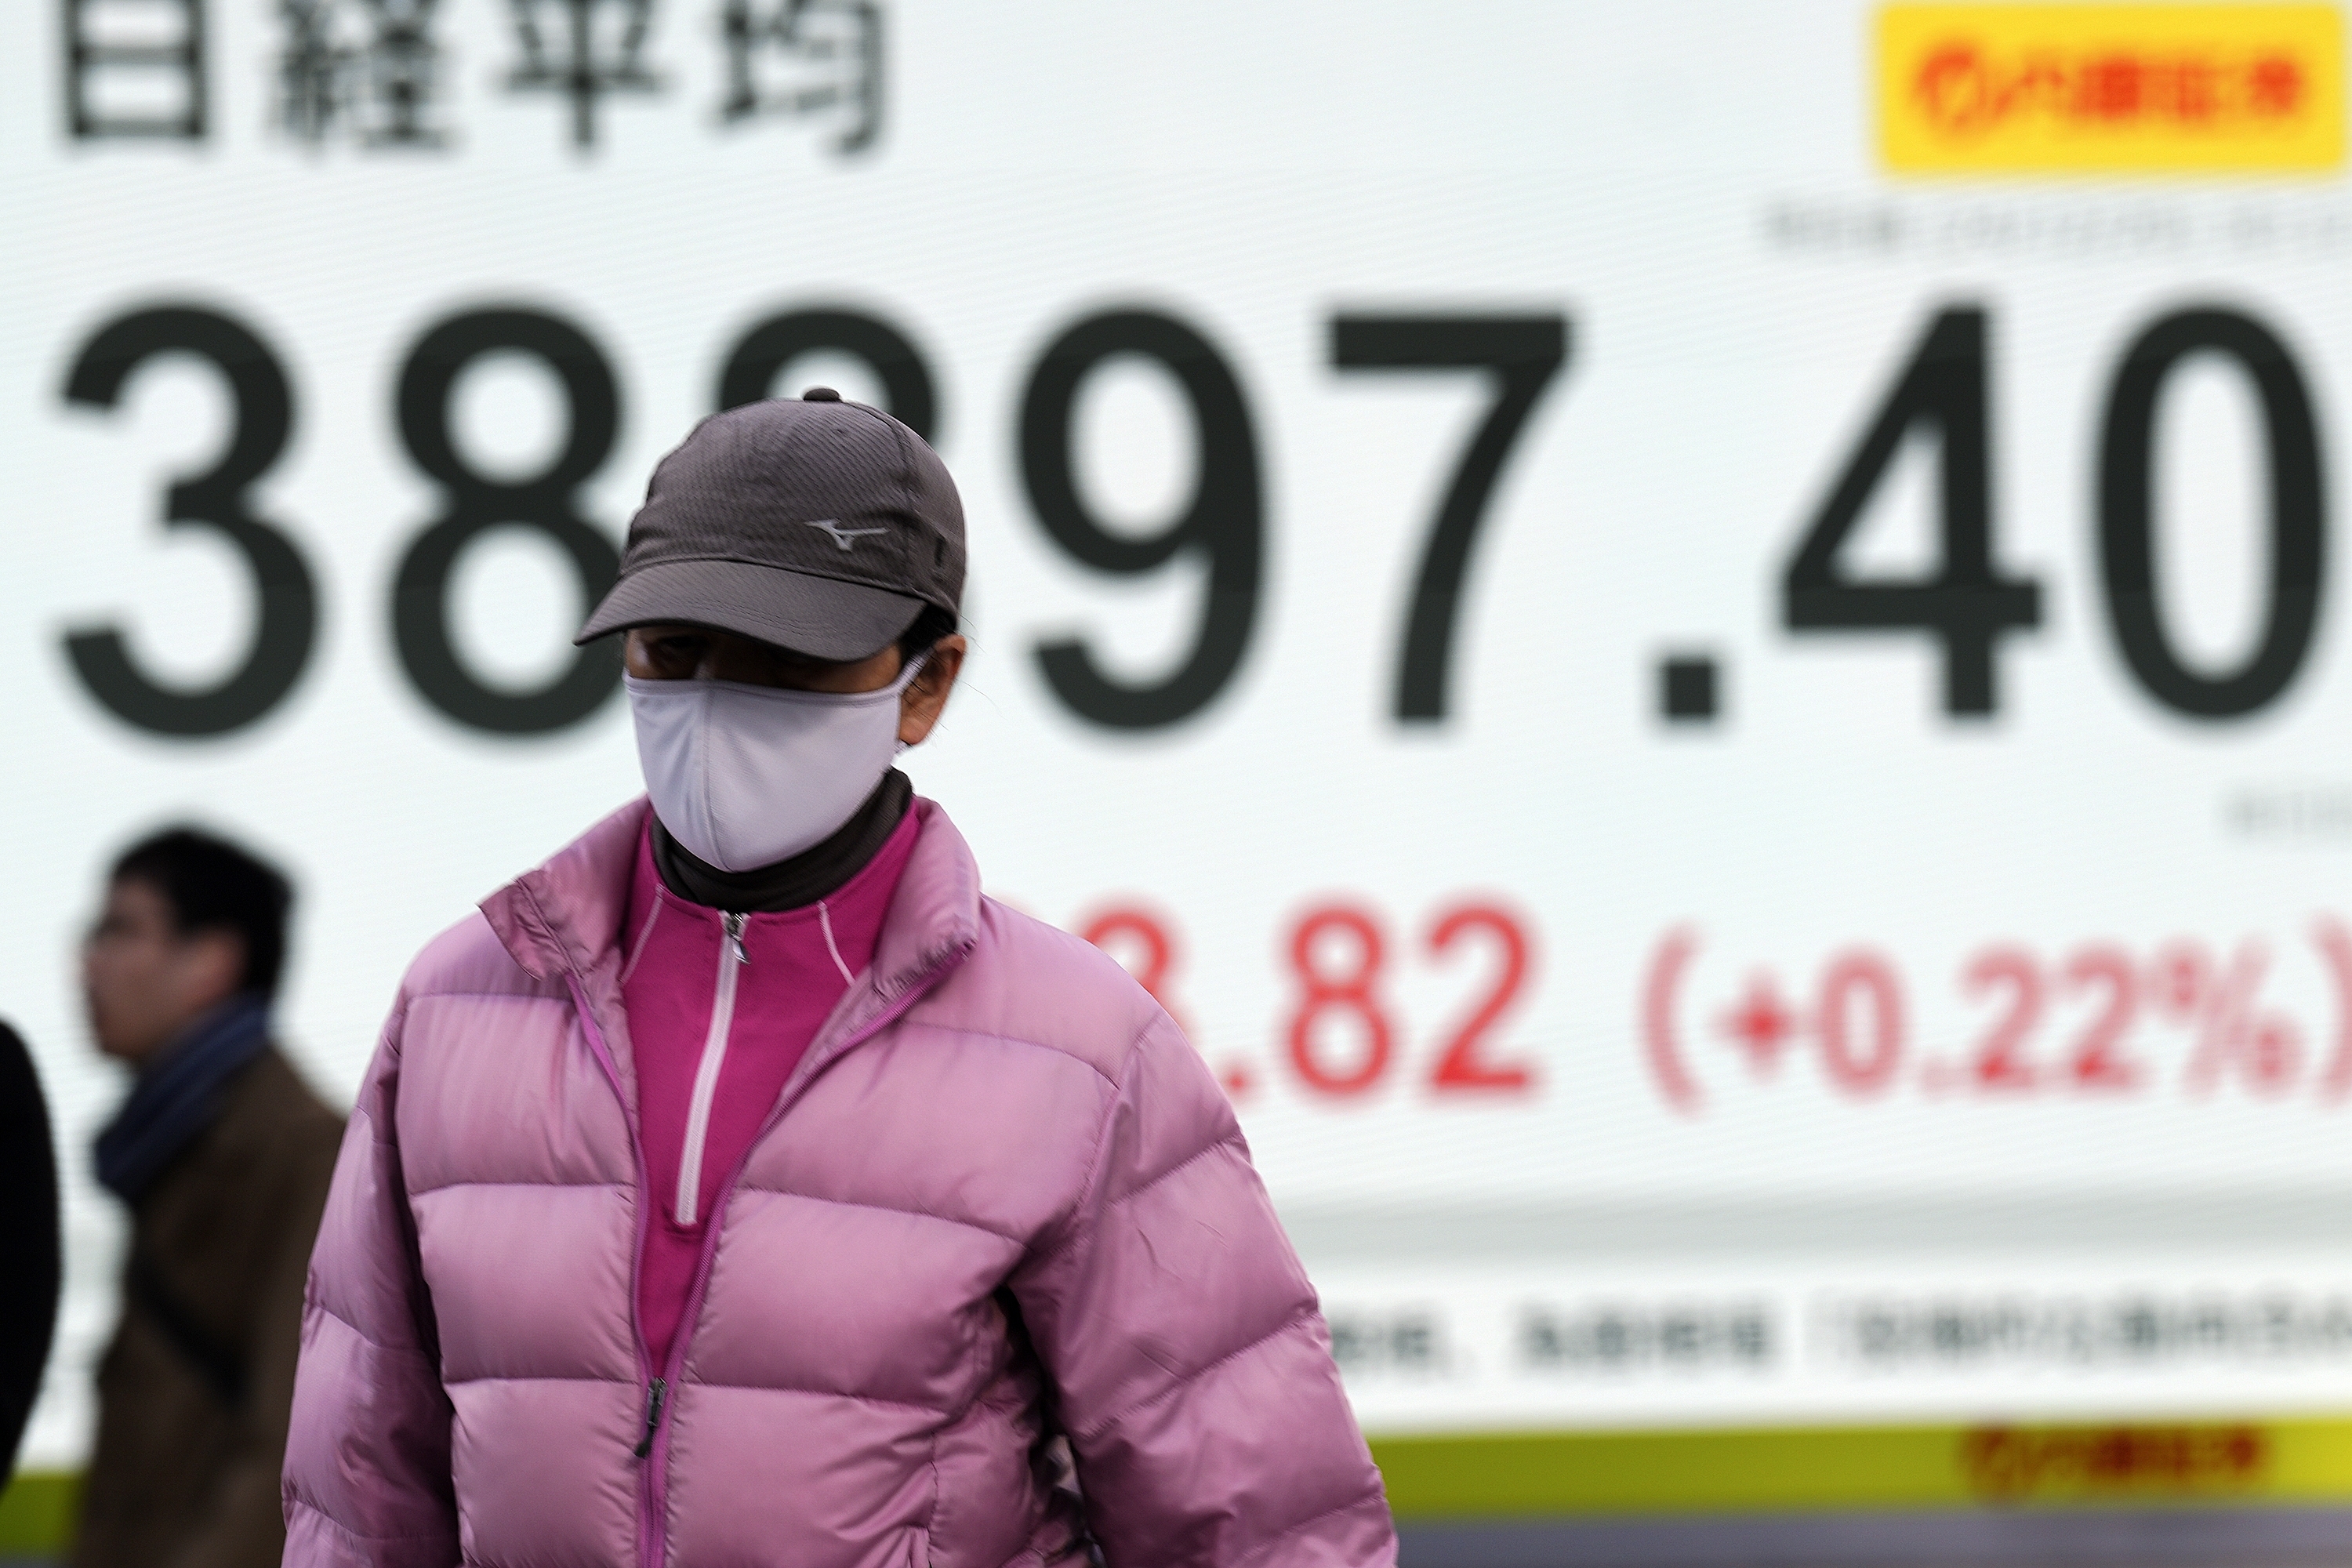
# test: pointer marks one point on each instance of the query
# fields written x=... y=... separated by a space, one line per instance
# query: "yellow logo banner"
x=2110 y=88
x=2305 y=1461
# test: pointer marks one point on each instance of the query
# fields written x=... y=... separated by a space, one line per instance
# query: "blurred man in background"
x=29 y=1241
x=223 y=1156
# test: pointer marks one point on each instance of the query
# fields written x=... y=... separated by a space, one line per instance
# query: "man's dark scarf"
x=178 y=1095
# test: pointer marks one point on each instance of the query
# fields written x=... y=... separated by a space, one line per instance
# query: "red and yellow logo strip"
x=1843 y=1468
x=2110 y=88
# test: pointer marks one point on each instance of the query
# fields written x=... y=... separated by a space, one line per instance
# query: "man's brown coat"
x=185 y=1471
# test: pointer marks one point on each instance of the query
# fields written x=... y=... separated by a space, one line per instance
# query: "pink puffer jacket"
x=1000 y=1202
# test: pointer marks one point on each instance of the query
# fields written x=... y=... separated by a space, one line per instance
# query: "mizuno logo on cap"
x=845 y=537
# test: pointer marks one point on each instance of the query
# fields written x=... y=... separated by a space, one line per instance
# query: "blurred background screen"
x=1700 y=645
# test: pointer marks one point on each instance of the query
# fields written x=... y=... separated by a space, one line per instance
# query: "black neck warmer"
x=813 y=874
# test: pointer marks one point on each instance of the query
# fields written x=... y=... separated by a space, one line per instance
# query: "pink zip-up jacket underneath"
x=1000 y=1202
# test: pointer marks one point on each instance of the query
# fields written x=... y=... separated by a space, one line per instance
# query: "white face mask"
x=744 y=776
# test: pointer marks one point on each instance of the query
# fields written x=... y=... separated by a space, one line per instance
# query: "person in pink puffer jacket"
x=742 y=1186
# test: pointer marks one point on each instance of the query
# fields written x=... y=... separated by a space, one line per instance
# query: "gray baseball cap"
x=814 y=524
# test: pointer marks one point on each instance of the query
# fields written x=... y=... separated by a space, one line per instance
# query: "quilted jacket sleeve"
x=367 y=1456
x=1191 y=1367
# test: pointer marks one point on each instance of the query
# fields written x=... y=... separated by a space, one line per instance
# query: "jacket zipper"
x=731 y=958
x=656 y=1467
x=652 y=1414
x=654 y=1448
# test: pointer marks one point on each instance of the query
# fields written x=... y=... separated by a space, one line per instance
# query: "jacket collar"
x=934 y=916
x=564 y=920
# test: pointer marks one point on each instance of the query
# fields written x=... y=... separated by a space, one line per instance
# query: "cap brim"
x=819 y=616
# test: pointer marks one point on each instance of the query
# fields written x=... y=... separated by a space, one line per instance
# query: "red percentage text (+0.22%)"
x=2184 y=1014
x=1339 y=1034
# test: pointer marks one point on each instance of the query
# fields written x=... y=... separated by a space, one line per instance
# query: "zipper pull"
x=734 y=924
x=652 y=1414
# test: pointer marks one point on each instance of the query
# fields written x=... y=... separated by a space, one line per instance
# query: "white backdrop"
x=1866 y=1058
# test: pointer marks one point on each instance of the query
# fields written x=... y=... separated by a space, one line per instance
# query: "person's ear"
x=212 y=968
x=926 y=696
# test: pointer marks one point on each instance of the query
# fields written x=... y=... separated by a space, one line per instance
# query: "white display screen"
x=1738 y=758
